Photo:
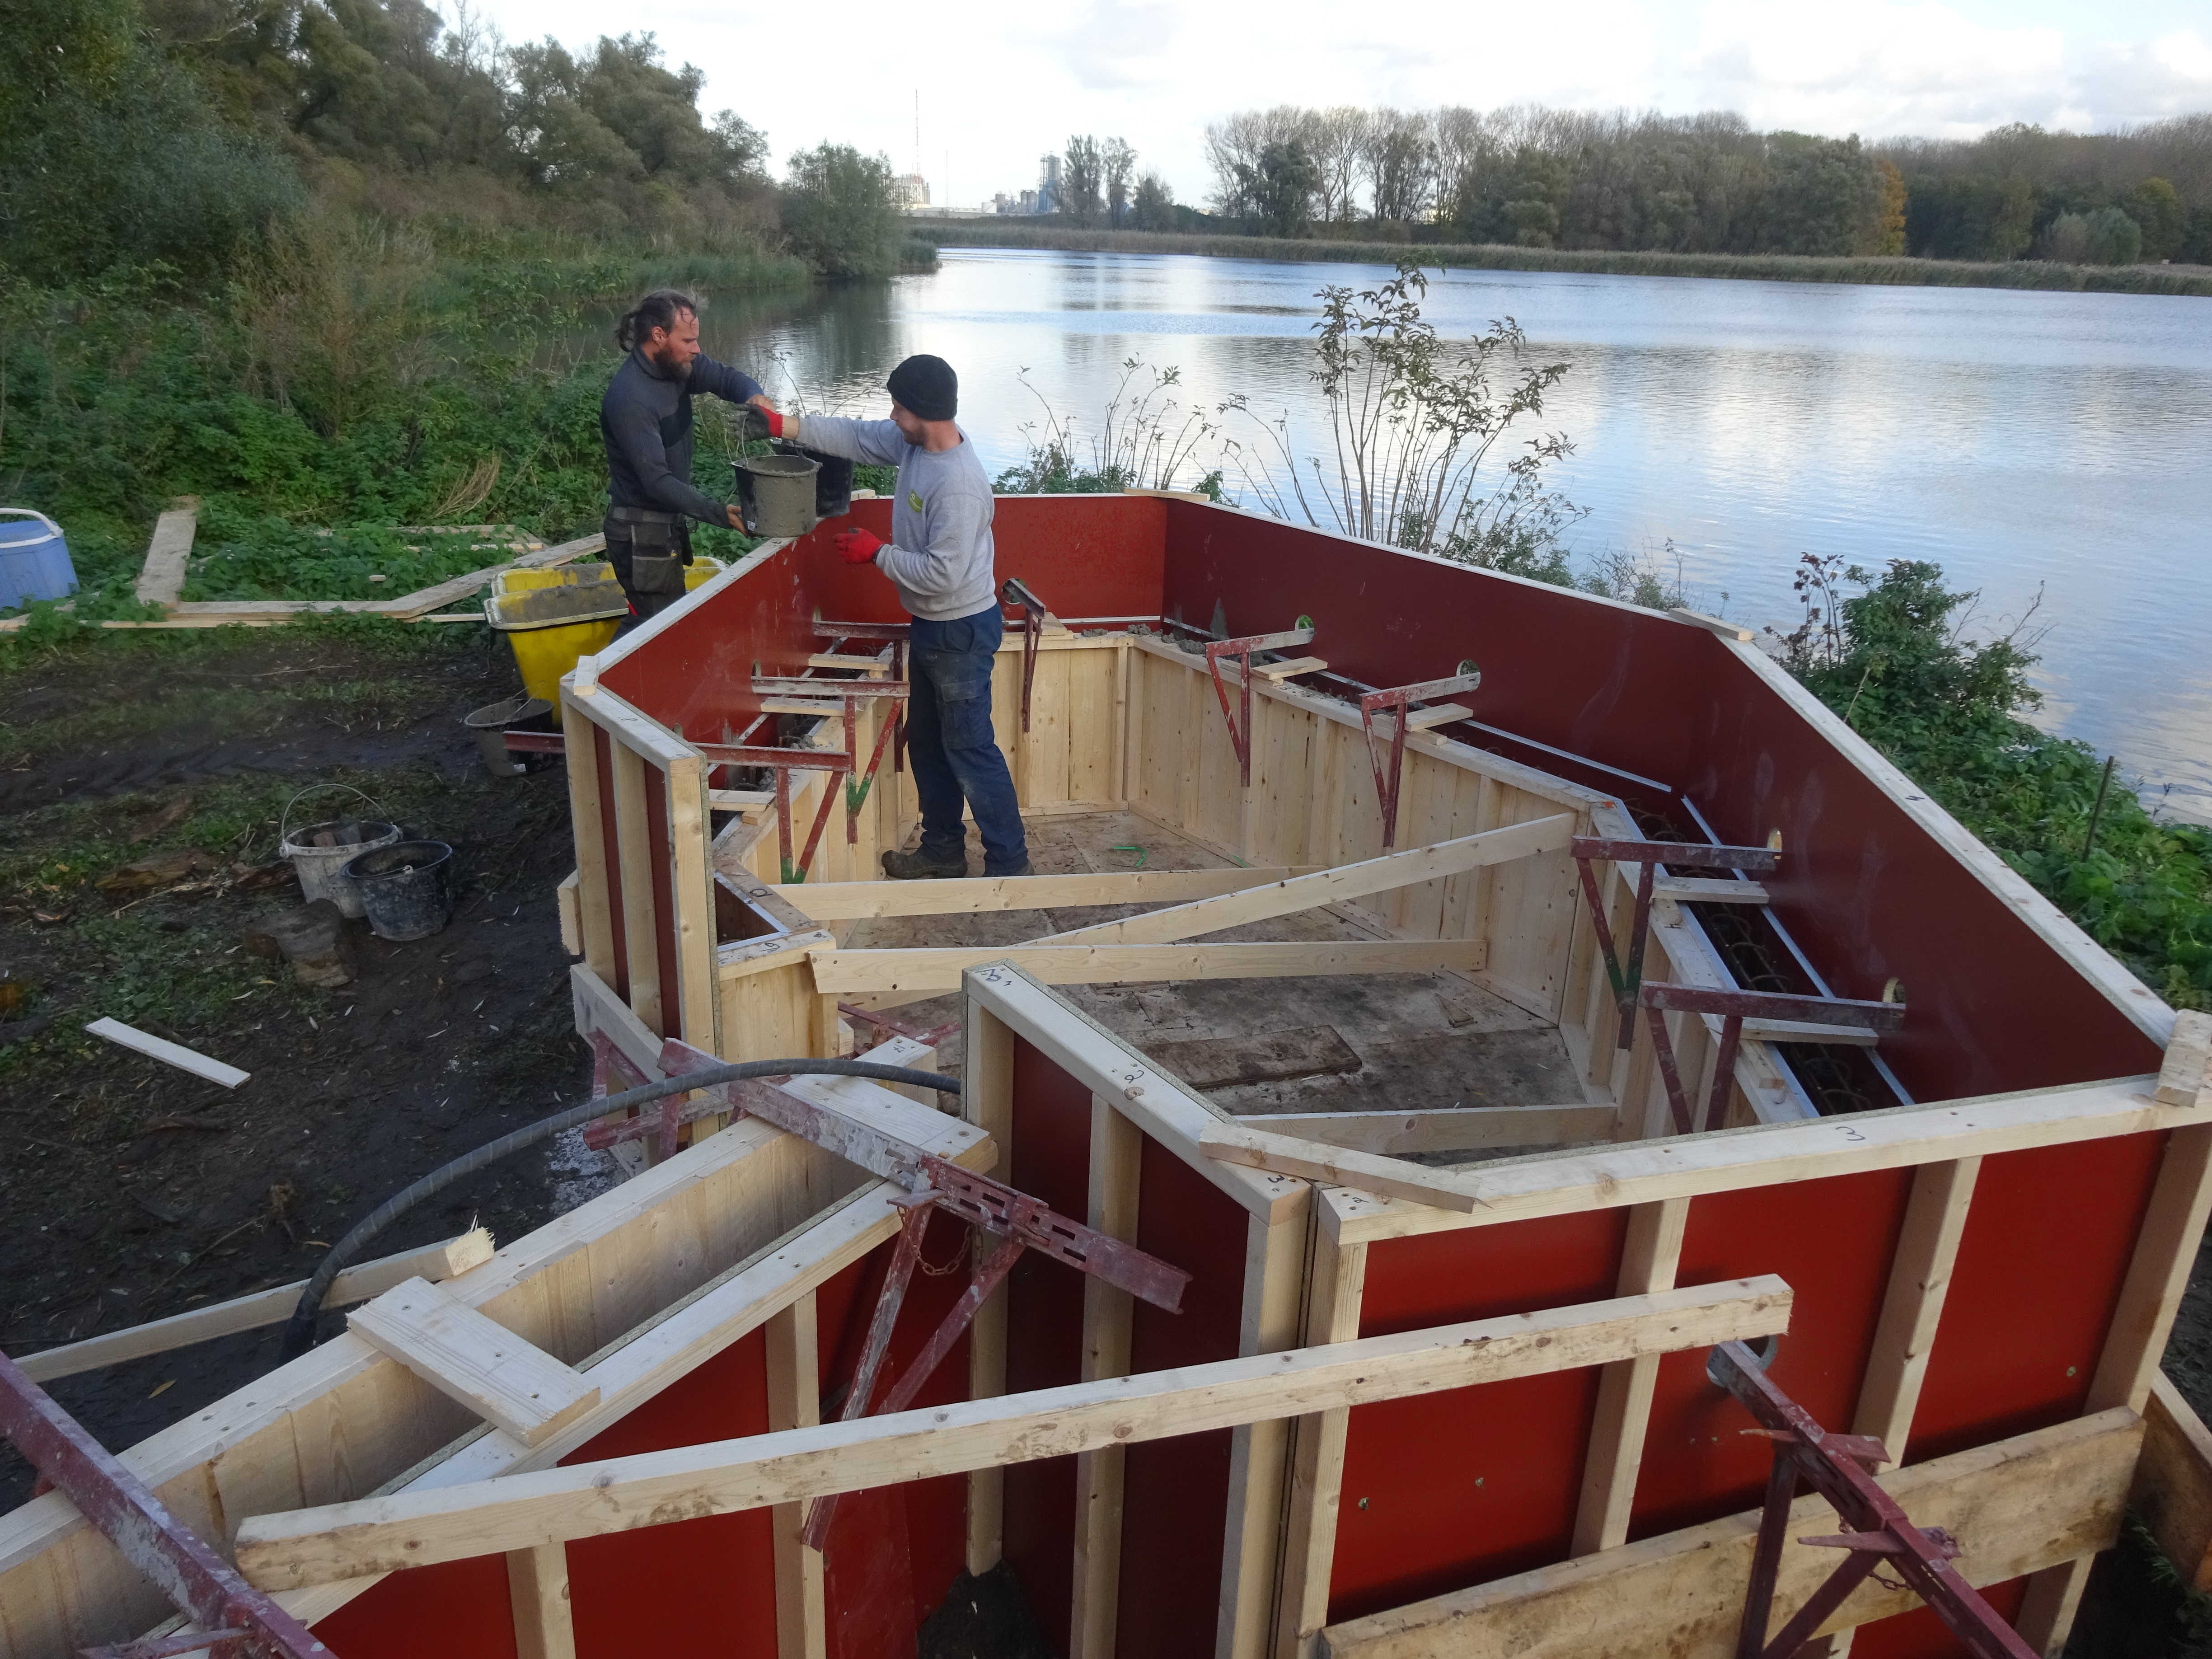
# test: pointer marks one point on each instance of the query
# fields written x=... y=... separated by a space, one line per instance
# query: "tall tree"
x=1117 y=158
x=1081 y=180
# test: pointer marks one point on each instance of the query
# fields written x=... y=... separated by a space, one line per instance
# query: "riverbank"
x=2037 y=274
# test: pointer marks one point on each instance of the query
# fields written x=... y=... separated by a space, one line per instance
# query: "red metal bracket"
x=1012 y=591
x=1397 y=700
x=1240 y=729
x=1650 y=855
x=844 y=763
x=230 y=1612
x=929 y=1038
x=1878 y=1531
x=1734 y=1007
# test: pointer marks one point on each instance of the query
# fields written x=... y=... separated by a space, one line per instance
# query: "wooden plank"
x=1275 y=1253
x=168 y=554
x=841 y=901
x=1647 y=1260
x=1115 y=1146
x=2056 y=1494
x=595 y=892
x=1453 y=1129
x=1699 y=890
x=313 y=1545
x=691 y=886
x=1290 y=668
x=1774 y=1153
x=2166 y=1250
x=170 y=1054
x=1285 y=897
x=1727 y=631
x=537 y=1595
x=2172 y=1489
x=1335 y=1166
x=2186 y=1076
x=1265 y=1057
x=795 y=1401
x=940 y=968
x=570 y=907
x=454 y=1256
x=987 y=1100
x=1339 y=1273
x=468 y=1357
x=874 y=667
x=599 y=1009
x=634 y=856
x=1919 y=1280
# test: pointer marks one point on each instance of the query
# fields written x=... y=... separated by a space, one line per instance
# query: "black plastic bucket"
x=406 y=888
x=833 y=484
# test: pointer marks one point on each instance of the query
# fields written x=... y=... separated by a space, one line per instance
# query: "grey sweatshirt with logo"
x=940 y=557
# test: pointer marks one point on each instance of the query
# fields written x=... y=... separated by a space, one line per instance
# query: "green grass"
x=1769 y=267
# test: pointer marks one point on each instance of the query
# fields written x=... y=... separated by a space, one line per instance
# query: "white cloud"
x=1003 y=81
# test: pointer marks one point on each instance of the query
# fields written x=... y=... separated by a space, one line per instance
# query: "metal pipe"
x=299 y=1331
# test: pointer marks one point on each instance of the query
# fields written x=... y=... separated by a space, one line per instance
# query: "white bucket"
x=320 y=852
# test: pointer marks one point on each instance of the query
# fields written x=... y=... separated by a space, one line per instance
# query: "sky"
x=1000 y=83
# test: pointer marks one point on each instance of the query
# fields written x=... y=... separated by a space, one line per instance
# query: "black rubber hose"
x=300 y=1332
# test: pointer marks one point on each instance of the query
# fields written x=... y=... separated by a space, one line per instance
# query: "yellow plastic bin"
x=551 y=618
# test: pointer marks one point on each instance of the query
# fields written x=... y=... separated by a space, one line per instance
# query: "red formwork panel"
x=1832 y=1241
x=1084 y=555
x=2045 y=1249
x=610 y=850
x=661 y=862
x=455 y=1610
x=1920 y=1634
x=1175 y=1492
x=1868 y=894
x=1445 y=1490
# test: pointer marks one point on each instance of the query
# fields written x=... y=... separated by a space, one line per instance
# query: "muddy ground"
x=130 y=1191
x=134 y=1191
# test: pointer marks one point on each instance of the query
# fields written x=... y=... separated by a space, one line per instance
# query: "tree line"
x=1099 y=180
x=183 y=131
x=1710 y=184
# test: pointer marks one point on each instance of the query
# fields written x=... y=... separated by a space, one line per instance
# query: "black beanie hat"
x=928 y=386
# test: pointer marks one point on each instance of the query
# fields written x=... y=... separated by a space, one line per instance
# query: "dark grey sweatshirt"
x=645 y=419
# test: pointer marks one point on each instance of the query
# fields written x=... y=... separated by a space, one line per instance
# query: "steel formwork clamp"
x=1877 y=1532
x=1625 y=977
x=1240 y=729
x=1014 y=590
x=233 y=1617
x=1734 y=1007
x=1397 y=702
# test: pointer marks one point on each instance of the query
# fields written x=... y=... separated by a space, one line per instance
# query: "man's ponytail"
x=658 y=309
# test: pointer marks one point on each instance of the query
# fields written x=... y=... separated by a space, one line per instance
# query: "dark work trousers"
x=948 y=740
x=659 y=544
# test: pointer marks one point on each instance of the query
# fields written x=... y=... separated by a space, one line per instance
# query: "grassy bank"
x=1765 y=268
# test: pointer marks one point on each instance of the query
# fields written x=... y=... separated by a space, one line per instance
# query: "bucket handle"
x=33 y=513
x=283 y=825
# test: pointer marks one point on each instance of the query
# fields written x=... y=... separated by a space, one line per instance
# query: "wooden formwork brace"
x=1626 y=977
x=1397 y=702
x=1877 y=1532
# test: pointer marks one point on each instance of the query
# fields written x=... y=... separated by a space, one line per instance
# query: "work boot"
x=999 y=875
x=920 y=866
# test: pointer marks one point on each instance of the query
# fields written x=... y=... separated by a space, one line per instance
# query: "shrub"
x=838 y=214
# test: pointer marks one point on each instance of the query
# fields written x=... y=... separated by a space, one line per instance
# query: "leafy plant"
x=1141 y=443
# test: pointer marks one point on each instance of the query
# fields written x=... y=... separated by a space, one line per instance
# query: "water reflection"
x=2023 y=441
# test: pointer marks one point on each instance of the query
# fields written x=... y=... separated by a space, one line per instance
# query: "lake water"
x=2059 y=443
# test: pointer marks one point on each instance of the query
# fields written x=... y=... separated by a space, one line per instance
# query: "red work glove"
x=856 y=546
x=775 y=422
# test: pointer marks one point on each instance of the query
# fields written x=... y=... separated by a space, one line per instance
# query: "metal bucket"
x=320 y=852
x=833 y=484
x=776 y=494
x=490 y=724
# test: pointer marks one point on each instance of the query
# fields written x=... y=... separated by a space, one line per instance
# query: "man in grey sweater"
x=940 y=560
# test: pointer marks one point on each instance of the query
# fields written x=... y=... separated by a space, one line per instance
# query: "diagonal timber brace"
x=1397 y=702
x=1648 y=855
x=1240 y=724
x=1877 y=1533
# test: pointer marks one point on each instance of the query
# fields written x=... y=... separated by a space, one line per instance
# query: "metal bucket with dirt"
x=407 y=887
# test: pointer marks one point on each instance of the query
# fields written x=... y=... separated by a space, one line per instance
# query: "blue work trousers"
x=949 y=746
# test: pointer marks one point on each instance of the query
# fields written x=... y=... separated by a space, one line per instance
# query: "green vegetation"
x=1767 y=267
x=1892 y=660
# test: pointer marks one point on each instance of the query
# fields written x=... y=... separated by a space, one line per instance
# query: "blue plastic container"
x=34 y=561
